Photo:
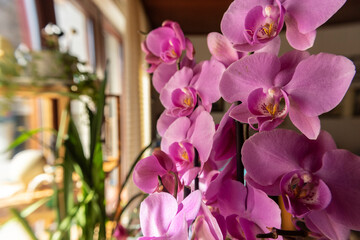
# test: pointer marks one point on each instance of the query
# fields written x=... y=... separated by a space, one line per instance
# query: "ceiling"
x=204 y=16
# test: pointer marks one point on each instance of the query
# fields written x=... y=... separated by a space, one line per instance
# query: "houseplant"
x=196 y=182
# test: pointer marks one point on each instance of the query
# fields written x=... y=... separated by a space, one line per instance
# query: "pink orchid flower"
x=224 y=146
x=297 y=84
x=206 y=226
x=188 y=88
x=223 y=51
x=185 y=135
x=157 y=167
x=161 y=217
x=251 y=24
x=248 y=211
x=166 y=44
x=163 y=72
x=315 y=179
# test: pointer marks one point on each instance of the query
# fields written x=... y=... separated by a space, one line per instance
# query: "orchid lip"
x=183 y=154
x=171 y=50
x=269 y=106
x=263 y=23
x=184 y=101
x=304 y=192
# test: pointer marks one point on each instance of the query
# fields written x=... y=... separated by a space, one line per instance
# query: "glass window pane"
x=73 y=23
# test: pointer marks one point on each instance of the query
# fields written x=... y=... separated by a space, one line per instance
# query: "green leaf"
x=65 y=223
x=61 y=131
x=81 y=216
x=75 y=153
x=26 y=135
x=96 y=119
x=33 y=207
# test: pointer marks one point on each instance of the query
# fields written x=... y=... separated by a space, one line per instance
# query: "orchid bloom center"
x=303 y=191
x=274 y=101
x=272 y=104
x=268 y=30
x=263 y=23
x=184 y=101
x=188 y=101
x=184 y=97
x=170 y=50
x=301 y=186
x=269 y=27
x=171 y=53
x=183 y=153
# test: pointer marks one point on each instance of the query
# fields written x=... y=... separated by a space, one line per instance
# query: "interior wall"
x=129 y=18
x=336 y=39
x=135 y=100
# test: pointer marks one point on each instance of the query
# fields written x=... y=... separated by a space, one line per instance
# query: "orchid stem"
x=247 y=133
x=176 y=184
x=239 y=143
x=286 y=233
x=187 y=191
x=196 y=164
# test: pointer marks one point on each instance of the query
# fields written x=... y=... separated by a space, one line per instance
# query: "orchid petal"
x=271 y=190
x=201 y=230
x=233 y=22
x=232 y=198
x=175 y=133
x=320 y=82
x=296 y=39
x=262 y=209
x=311 y=14
x=326 y=225
x=146 y=172
x=153 y=38
x=211 y=224
x=261 y=153
x=165 y=161
x=190 y=175
x=340 y=171
x=272 y=46
x=249 y=73
x=164 y=121
x=162 y=75
x=178 y=229
x=224 y=146
x=180 y=79
x=189 y=49
x=318 y=148
x=212 y=191
x=208 y=81
x=301 y=198
x=154 y=218
x=221 y=48
x=289 y=62
x=241 y=112
x=309 y=126
x=202 y=137
x=191 y=206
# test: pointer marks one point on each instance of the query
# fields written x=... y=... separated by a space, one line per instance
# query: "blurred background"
x=106 y=34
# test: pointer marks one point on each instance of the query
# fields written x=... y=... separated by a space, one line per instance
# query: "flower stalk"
x=275 y=233
x=239 y=143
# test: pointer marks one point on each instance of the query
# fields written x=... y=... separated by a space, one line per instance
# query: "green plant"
x=84 y=207
x=87 y=209
x=8 y=69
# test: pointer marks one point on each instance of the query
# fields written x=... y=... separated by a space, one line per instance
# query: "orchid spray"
x=196 y=182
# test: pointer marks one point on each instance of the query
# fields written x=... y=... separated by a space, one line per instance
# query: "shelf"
x=25 y=87
x=25 y=198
